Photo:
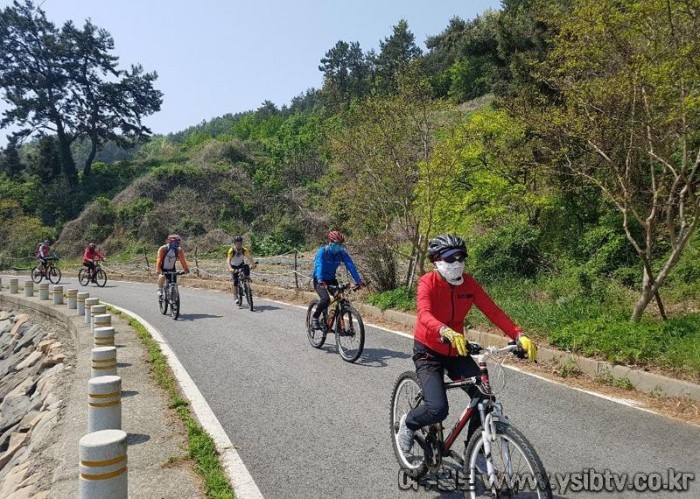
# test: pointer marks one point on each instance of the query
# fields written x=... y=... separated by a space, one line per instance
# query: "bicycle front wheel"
x=84 y=277
x=163 y=302
x=349 y=334
x=174 y=303
x=317 y=337
x=101 y=278
x=37 y=275
x=407 y=395
x=55 y=275
x=517 y=469
x=249 y=295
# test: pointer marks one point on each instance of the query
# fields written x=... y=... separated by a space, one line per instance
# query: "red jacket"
x=90 y=255
x=440 y=304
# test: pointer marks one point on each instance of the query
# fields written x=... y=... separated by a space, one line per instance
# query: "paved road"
x=307 y=424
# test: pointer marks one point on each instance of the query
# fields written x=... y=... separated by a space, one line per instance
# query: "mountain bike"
x=497 y=460
x=49 y=271
x=341 y=319
x=244 y=288
x=98 y=275
x=171 y=295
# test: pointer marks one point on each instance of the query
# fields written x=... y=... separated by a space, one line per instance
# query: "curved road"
x=307 y=424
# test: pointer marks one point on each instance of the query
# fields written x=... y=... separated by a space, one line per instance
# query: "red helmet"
x=335 y=236
x=92 y=246
x=173 y=238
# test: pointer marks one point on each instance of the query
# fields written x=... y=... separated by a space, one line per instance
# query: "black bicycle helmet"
x=238 y=239
x=444 y=243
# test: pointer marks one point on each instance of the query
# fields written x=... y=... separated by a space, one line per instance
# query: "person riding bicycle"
x=168 y=254
x=89 y=256
x=328 y=258
x=43 y=251
x=444 y=298
x=236 y=261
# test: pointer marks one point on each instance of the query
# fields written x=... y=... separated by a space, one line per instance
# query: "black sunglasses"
x=458 y=257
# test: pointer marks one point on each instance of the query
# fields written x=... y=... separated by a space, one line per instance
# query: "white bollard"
x=80 y=301
x=100 y=320
x=44 y=291
x=57 y=295
x=14 y=285
x=29 y=288
x=104 y=337
x=104 y=403
x=104 y=361
x=72 y=296
x=89 y=302
x=103 y=465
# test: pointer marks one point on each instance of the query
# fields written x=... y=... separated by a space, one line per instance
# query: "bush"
x=508 y=251
x=401 y=298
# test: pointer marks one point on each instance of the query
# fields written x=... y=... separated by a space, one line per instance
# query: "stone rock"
x=50 y=400
x=44 y=426
x=44 y=346
x=31 y=336
x=23 y=493
x=19 y=320
x=26 y=424
x=17 y=440
x=9 y=363
x=9 y=383
x=31 y=359
x=13 y=479
x=41 y=495
x=4 y=315
x=5 y=438
x=5 y=327
x=54 y=360
x=55 y=346
x=15 y=405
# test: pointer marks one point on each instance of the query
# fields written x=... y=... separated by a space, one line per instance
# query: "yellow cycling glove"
x=457 y=340
x=528 y=345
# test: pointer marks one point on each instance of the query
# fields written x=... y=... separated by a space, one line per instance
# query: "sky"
x=227 y=56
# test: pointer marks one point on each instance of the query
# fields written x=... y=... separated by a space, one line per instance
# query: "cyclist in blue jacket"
x=328 y=258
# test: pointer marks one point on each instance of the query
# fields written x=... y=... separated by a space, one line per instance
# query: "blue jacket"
x=327 y=263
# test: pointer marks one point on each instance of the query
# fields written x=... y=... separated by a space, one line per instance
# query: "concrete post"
x=100 y=320
x=89 y=302
x=104 y=403
x=103 y=465
x=80 y=300
x=44 y=291
x=97 y=309
x=72 y=295
x=104 y=361
x=104 y=337
x=29 y=288
x=57 y=295
x=14 y=285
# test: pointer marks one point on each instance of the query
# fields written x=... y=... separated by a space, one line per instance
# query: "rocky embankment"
x=33 y=371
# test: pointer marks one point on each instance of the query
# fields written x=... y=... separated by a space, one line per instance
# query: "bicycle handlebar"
x=173 y=272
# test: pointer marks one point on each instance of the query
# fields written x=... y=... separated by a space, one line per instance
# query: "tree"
x=346 y=74
x=10 y=161
x=66 y=82
x=626 y=119
x=395 y=54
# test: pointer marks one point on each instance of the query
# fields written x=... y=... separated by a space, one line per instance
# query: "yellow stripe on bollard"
x=103 y=476
x=106 y=404
x=106 y=462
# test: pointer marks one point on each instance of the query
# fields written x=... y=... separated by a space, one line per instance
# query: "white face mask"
x=452 y=272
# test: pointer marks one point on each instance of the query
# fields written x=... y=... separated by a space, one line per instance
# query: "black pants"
x=246 y=272
x=324 y=295
x=90 y=266
x=431 y=368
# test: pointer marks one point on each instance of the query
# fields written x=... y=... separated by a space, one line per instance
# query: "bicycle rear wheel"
x=407 y=394
x=174 y=303
x=101 y=278
x=163 y=301
x=317 y=337
x=54 y=275
x=84 y=277
x=349 y=334
x=37 y=276
x=517 y=469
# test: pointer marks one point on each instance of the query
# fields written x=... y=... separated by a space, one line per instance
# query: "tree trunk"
x=643 y=301
x=67 y=163
x=91 y=157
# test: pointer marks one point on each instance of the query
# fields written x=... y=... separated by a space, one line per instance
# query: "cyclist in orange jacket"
x=89 y=256
x=168 y=254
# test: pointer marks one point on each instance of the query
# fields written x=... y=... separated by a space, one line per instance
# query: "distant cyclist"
x=43 y=251
x=168 y=254
x=89 y=256
x=239 y=258
x=328 y=258
x=444 y=298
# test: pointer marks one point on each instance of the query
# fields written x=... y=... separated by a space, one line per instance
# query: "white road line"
x=241 y=479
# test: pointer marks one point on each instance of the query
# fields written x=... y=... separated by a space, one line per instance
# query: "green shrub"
x=401 y=298
x=508 y=251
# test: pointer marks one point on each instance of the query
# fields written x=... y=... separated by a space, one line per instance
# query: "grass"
x=401 y=298
x=201 y=447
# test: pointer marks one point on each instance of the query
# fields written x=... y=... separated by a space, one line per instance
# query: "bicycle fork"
x=489 y=436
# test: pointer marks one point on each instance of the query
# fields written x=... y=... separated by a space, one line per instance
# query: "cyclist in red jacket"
x=444 y=298
x=89 y=256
